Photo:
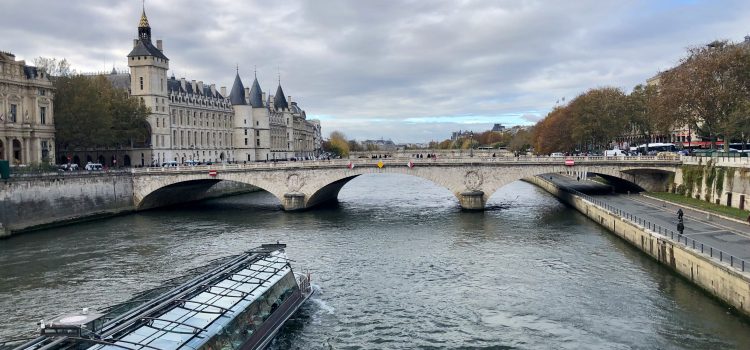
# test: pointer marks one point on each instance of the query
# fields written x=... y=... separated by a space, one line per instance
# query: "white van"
x=557 y=154
x=613 y=153
x=94 y=167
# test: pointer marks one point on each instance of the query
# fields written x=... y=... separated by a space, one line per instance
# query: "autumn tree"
x=337 y=144
x=709 y=90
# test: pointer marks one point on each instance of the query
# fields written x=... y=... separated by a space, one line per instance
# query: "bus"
x=654 y=148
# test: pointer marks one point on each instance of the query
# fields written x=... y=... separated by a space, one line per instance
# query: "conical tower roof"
x=279 y=101
x=144 y=20
x=237 y=95
x=256 y=95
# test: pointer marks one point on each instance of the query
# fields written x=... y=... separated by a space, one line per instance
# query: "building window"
x=141 y=79
x=257 y=142
x=42 y=92
x=257 y=123
x=245 y=141
x=257 y=133
x=43 y=115
x=245 y=131
x=13 y=113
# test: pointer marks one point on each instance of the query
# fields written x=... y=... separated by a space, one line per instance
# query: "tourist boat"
x=240 y=302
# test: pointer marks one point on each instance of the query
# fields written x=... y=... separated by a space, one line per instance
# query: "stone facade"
x=27 y=131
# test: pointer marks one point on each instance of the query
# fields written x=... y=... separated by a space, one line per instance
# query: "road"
x=729 y=236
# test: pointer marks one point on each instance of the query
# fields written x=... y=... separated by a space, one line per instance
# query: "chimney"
x=158 y=45
x=194 y=85
x=247 y=93
x=200 y=86
x=135 y=42
x=224 y=91
x=264 y=96
x=289 y=99
x=213 y=89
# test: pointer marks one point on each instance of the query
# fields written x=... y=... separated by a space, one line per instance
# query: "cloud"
x=411 y=70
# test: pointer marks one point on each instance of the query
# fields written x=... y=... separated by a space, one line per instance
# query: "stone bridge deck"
x=305 y=184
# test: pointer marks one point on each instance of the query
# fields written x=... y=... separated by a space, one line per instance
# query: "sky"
x=409 y=71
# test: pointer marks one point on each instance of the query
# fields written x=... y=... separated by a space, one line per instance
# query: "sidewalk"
x=730 y=236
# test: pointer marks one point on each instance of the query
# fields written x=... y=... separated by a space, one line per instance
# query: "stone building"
x=27 y=131
x=194 y=122
x=271 y=127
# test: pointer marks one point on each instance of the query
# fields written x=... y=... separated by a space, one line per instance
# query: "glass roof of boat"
x=192 y=321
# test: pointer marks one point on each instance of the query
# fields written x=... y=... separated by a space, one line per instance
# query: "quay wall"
x=726 y=283
x=715 y=180
x=35 y=202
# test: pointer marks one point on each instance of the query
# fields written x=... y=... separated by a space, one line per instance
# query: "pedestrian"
x=680 y=214
x=680 y=227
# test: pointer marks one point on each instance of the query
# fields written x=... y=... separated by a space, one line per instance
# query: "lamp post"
x=471 y=144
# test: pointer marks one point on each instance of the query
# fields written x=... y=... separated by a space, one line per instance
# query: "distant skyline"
x=410 y=71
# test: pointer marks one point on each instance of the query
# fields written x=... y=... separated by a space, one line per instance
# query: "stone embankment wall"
x=33 y=202
x=715 y=181
x=719 y=279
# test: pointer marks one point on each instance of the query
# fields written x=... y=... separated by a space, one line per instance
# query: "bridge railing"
x=697 y=246
x=403 y=162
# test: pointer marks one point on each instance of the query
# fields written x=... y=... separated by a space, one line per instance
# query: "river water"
x=397 y=265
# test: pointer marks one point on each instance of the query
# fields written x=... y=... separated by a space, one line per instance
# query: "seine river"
x=396 y=265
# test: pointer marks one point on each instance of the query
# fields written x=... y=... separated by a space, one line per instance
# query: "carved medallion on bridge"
x=473 y=180
x=294 y=182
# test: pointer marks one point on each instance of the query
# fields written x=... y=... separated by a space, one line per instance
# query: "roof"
x=30 y=72
x=146 y=48
x=175 y=85
x=279 y=101
x=119 y=80
x=256 y=95
x=237 y=95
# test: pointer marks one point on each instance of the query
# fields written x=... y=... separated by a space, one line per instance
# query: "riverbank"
x=729 y=213
x=721 y=276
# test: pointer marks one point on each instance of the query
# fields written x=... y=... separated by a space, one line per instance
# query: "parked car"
x=557 y=154
x=169 y=164
x=68 y=167
x=94 y=166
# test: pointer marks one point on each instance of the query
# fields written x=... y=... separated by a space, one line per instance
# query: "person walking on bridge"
x=680 y=226
x=679 y=214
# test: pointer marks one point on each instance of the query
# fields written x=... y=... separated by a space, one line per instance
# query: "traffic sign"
x=570 y=162
x=212 y=173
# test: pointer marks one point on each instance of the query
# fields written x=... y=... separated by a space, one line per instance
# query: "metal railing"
x=684 y=240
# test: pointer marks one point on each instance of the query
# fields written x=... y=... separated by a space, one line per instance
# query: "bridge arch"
x=303 y=185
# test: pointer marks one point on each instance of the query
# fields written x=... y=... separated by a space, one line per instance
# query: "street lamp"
x=471 y=144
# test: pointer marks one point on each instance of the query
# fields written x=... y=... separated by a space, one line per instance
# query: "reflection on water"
x=396 y=264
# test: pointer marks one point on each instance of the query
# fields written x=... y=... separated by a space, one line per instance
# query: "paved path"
x=729 y=236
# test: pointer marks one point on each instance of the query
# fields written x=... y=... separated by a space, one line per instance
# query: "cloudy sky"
x=411 y=71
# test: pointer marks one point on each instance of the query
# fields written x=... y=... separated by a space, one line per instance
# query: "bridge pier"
x=472 y=200
x=294 y=201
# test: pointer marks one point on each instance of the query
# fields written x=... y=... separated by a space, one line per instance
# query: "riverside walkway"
x=725 y=239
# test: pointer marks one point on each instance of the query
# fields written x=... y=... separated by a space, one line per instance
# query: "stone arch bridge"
x=303 y=185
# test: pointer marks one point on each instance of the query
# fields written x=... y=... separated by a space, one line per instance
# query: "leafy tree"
x=337 y=144
x=54 y=67
x=709 y=90
x=598 y=117
x=521 y=141
x=645 y=114
x=89 y=112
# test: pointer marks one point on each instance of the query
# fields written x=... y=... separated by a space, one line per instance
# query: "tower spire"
x=144 y=29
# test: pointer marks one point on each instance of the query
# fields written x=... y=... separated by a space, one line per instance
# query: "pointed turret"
x=237 y=95
x=279 y=101
x=256 y=95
